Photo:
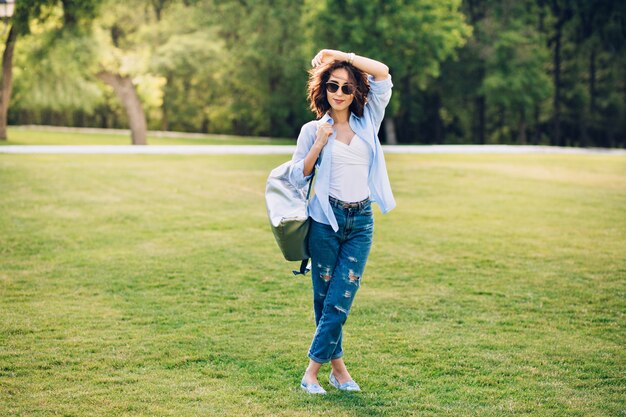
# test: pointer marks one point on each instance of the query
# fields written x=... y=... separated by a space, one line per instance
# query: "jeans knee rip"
x=353 y=278
x=341 y=309
x=325 y=274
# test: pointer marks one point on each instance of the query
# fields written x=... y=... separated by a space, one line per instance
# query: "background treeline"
x=471 y=71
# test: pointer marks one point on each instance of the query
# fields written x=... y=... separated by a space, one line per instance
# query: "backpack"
x=287 y=209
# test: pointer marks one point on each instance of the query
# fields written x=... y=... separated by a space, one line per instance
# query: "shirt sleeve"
x=377 y=99
x=305 y=141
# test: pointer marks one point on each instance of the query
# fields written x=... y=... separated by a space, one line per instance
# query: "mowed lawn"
x=151 y=285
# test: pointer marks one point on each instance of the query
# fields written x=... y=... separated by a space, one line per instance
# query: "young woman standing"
x=349 y=94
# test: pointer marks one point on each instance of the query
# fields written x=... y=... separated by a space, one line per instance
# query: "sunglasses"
x=332 y=87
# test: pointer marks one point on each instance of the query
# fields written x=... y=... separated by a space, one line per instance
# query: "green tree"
x=587 y=41
x=411 y=37
x=121 y=34
x=599 y=104
x=562 y=12
x=74 y=14
x=49 y=72
x=189 y=58
x=263 y=68
x=516 y=59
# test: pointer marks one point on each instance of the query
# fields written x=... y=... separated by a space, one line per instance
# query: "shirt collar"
x=327 y=119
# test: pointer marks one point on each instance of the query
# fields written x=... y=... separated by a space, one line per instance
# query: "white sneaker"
x=346 y=386
x=312 y=388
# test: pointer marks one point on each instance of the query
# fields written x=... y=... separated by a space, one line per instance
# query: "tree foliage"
x=472 y=71
x=263 y=68
x=412 y=37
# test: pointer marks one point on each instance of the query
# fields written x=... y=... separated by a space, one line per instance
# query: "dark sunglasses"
x=332 y=87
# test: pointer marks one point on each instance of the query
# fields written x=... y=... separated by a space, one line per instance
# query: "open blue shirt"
x=366 y=127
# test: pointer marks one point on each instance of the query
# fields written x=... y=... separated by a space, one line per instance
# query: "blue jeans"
x=338 y=261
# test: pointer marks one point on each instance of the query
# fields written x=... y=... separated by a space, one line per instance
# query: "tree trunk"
x=477 y=11
x=521 y=136
x=480 y=119
x=556 y=121
x=165 y=122
x=438 y=128
x=591 y=115
x=7 y=81
x=592 y=81
x=126 y=92
x=204 y=126
x=390 y=131
x=563 y=12
x=537 y=126
x=500 y=125
x=104 y=120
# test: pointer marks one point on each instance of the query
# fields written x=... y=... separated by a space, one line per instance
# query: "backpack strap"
x=303 y=268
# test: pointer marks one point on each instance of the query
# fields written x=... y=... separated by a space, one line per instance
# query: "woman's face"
x=339 y=100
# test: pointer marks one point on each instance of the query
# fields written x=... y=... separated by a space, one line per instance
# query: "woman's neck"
x=340 y=117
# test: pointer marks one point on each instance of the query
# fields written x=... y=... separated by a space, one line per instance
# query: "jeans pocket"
x=367 y=210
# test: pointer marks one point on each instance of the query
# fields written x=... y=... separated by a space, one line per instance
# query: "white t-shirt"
x=350 y=170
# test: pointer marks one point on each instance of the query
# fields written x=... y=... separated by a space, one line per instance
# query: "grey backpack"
x=287 y=209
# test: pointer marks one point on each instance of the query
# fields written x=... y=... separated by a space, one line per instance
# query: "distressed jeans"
x=338 y=261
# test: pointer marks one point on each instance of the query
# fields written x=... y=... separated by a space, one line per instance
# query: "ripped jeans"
x=338 y=261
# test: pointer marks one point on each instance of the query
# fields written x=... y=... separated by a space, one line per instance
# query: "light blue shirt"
x=365 y=127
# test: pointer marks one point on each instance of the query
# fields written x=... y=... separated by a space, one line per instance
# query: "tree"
x=189 y=58
x=516 y=81
x=598 y=31
x=263 y=66
x=476 y=11
x=516 y=75
x=50 y=73
x=119 y=36
x=587 y=40
x=74 y=14
x=411 y=37
x=562 y=13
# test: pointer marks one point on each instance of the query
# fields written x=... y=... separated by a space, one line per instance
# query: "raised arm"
x=372 y=67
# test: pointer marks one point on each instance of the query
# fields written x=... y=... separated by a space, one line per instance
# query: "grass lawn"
x=22 y=136
x=151 y=285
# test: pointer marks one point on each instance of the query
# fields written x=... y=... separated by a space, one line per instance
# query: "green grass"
x=151 y=285
x=22 y=136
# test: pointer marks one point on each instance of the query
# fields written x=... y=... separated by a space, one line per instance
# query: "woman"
x=349 y=94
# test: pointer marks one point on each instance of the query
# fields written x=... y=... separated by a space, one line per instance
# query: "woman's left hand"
x=325 y=56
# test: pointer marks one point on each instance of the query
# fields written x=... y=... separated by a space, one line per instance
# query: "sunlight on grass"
x=151 y=285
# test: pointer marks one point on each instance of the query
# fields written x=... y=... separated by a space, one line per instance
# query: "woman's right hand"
x=324 y=130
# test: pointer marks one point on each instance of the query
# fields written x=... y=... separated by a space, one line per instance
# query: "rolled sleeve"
x=380 y=87
x=305 y=141
x=378 y=98
x=296 y=174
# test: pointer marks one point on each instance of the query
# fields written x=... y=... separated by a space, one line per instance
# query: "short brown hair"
x=318 y=77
